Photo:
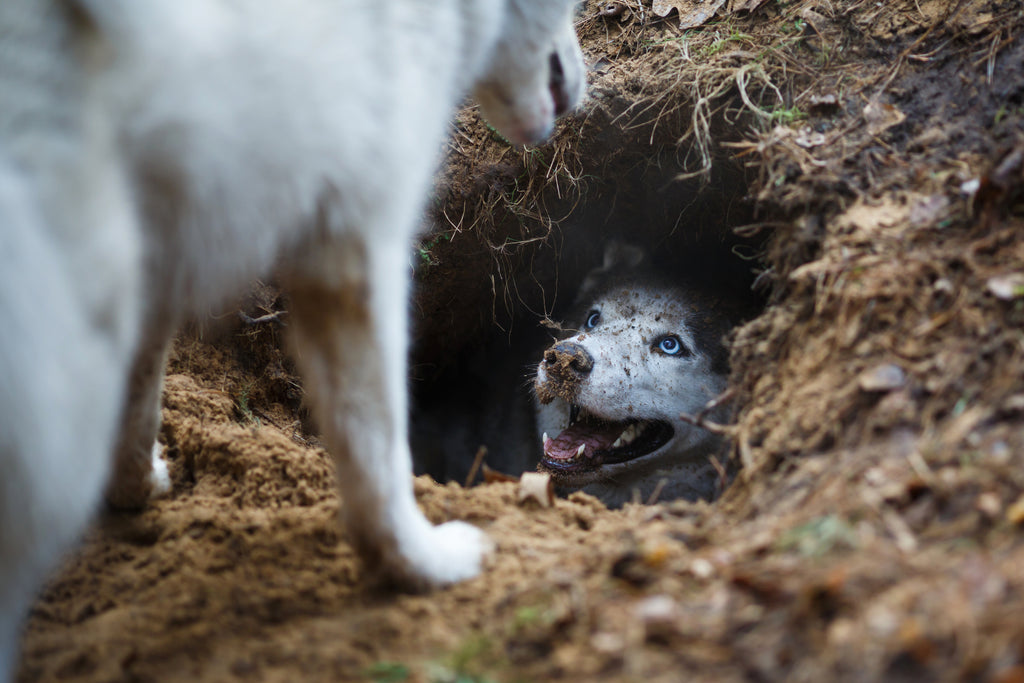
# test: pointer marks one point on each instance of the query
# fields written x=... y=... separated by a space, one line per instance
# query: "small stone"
x=1006 y=287
x=702 y=569
x=608 y=643
x=885 y=377
x=989 y=505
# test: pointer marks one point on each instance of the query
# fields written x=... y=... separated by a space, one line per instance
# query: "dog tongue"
x=594 y=436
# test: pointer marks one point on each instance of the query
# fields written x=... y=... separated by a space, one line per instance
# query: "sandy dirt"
x=871 y=156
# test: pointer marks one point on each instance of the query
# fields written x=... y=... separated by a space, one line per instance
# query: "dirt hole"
x=483 y=322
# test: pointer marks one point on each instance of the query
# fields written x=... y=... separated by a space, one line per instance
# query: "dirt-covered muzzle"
x=589 y=440
x=562 y=372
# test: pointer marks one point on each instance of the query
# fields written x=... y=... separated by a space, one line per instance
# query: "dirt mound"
x=870 y=157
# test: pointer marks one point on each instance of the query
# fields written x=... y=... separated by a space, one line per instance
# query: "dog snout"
x=566 y=358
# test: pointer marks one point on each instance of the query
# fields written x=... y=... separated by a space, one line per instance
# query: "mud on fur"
x=609 y=397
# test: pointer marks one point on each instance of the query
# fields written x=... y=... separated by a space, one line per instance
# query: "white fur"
x=629 y=381
x=157 y=156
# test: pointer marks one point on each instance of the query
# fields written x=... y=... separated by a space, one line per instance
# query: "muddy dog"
x=157 y=156
x=609 y=397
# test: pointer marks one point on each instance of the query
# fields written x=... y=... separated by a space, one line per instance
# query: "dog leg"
x=62 y=372
x=139 y=472
x=350 y=330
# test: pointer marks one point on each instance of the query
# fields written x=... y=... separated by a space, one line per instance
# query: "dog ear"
x=618 y=257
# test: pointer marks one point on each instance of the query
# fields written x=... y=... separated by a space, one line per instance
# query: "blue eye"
x=593 y=318
x=671 y=345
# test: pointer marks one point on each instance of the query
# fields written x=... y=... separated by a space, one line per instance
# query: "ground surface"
x=875 y=152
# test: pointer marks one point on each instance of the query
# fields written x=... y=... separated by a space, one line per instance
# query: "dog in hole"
x=156 y=157
x=644 y=351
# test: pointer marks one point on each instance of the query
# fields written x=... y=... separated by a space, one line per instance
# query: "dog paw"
x=135 y=482
x=443 y=555
x=465 y=548
x=159 y=476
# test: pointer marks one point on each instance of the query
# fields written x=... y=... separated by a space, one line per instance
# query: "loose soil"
x=864 y=163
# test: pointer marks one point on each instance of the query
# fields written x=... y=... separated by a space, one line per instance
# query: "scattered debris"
x=536 y=487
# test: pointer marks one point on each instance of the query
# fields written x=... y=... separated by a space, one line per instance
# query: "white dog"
x=155 y=156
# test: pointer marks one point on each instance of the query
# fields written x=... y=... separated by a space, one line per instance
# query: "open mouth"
x=590 y=442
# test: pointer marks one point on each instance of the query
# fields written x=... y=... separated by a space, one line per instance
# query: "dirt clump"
x=564 y=365
x=870 y=157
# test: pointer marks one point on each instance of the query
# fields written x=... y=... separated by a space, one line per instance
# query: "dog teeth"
x=618 y=443
x=628 y=435
x=544 y=441
x=580 y=450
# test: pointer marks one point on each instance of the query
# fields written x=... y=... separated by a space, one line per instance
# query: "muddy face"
x=536 y=72
x=611 y=396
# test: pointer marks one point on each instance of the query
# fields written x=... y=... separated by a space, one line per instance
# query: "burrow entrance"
x=515 y=232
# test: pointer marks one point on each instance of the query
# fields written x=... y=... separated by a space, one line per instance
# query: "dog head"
x=536 y=70
x=611 y=395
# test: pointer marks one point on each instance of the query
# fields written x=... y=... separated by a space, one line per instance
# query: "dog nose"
x=569 y=356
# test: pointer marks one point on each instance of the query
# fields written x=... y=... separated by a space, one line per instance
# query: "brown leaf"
x=692 y=13
x=492 y=476
x=881 y=117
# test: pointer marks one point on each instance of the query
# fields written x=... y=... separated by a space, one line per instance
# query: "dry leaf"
x=692 y=13
x=928 y=211
x=881 y=117
x=807 y=137
x=817 y=21
x=536 y=486
x=492 y=476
